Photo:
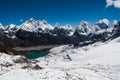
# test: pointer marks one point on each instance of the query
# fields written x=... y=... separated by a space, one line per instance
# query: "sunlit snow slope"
x=99 y=61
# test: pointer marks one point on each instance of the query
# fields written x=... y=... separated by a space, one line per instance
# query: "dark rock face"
x=82 y=37
x=100 y=37
x=34 y=39
x=61 y=32
x=6 y=43
x=102 y=25
x=116 y=30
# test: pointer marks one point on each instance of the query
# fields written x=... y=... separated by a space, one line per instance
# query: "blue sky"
x=62 y=11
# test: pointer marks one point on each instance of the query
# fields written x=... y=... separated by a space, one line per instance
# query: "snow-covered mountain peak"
x=118 y=23
x=43 y=24
x=57 y=25
x=106 y=21
x=31 y=20
x=32 y=25
x=83 y=22
x=84 y=27
x=1 y=26
x=11 y=26
x=10 y=31
x=67 y=27
x=27 y=27
x=115 y=22
x=101 y=24
x=65 y=30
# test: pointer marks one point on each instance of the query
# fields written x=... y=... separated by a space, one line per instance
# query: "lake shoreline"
x=34 y=49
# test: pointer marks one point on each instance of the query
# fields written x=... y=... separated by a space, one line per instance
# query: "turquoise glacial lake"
x=36 y=55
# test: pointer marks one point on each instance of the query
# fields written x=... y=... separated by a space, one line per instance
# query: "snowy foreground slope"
x=99 y=61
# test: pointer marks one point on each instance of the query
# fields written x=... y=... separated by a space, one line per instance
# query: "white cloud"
x=21 y=20
x=115 y=3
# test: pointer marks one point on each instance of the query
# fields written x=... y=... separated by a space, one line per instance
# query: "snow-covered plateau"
x=98 y=61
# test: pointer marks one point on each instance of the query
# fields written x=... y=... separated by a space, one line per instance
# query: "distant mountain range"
x=40 y=32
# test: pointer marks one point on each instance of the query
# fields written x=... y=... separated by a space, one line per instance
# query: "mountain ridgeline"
x=40 y=32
